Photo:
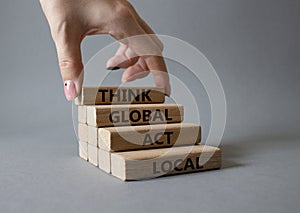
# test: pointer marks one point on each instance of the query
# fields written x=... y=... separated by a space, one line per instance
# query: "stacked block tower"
x=131 y=134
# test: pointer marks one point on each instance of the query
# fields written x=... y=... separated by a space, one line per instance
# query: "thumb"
x=70 y=64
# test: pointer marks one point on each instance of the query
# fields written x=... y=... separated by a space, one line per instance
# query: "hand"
x=71 y=21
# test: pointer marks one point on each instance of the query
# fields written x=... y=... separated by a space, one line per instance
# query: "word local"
x=177 y=165
x=125 y=95
x=122 y=116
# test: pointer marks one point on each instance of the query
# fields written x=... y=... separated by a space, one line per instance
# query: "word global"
x=139 y=115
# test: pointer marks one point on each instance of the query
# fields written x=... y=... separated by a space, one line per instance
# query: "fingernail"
x=168 y=91
x=70 y=90
x=113 y=68
x=125 y=80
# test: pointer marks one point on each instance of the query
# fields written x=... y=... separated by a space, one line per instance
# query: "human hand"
x=71 y=21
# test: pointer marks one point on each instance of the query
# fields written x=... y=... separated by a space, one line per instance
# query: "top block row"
x=120 y=95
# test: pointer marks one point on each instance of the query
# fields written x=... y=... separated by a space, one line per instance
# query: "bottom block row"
x=143 y=164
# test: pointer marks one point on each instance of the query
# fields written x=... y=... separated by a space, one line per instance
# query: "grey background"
x=254 y=47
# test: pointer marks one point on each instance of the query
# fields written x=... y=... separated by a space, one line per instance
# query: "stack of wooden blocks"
x=131 y=134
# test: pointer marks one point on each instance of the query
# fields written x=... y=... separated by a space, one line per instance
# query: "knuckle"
x=122 y=21
x=123 y=12
x=69 y=64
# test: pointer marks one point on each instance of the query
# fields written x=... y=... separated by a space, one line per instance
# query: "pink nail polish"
x=70 y=90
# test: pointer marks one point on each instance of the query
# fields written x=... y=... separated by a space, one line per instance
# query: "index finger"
x=157 y=66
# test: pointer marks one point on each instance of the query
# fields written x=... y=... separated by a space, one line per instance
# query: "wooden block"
x=93 y=155
x=82 y=114
x=135 y=165
x=120 y=95
x=135 y=114
x=93 y=135
x=83 y=149
x=83 y=132
x=104 y=160
x=127 y=138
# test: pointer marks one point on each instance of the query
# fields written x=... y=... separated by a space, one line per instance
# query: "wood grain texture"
x=83 y=149
x=104 y=160
x=127 y=138
x=120 y=95
x=92 y=135
x=93 y=155
x=143 y=164
x=134 y=114
x=82 y=114
x=83 y=132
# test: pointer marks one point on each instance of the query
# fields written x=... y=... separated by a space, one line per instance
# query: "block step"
x=145 y=164
x=126 y=138
x=120 y=95
x=134 y=114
